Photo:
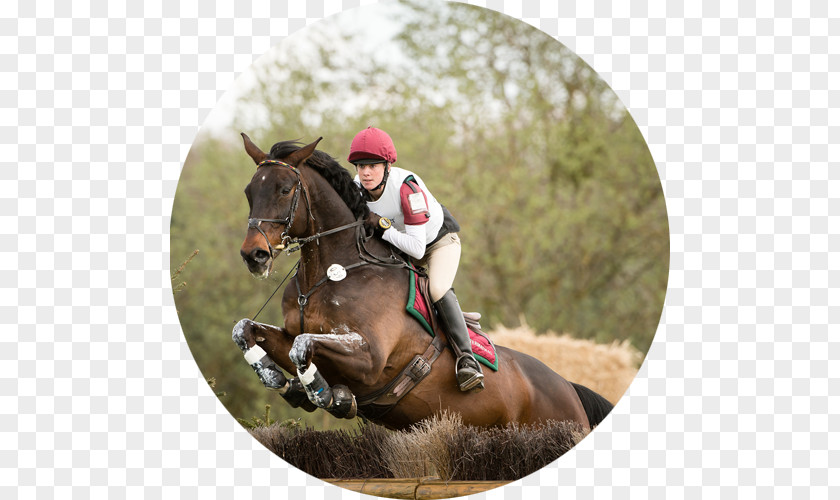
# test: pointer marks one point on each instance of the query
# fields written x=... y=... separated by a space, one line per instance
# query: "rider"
x=405 y=214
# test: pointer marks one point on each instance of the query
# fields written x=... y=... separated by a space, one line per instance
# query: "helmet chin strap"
x=384 y=177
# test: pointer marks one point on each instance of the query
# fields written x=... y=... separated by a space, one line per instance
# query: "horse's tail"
x=595 y=405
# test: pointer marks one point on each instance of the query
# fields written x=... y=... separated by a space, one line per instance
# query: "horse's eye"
x=286 y=191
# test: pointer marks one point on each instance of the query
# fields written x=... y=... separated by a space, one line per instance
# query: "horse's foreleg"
x=343 y=348
x=246 y=333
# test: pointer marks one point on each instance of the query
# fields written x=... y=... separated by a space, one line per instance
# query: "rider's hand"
x=376 y=224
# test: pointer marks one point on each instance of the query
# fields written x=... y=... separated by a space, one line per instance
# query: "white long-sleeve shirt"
x=411 y=237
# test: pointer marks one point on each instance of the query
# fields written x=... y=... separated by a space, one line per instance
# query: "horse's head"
x=276 y=214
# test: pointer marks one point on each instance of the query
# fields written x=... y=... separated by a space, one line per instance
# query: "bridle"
x=285 y=239
x=255 y=222
x=364 y=255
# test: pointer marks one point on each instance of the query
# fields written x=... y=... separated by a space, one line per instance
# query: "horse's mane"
x=336 y=175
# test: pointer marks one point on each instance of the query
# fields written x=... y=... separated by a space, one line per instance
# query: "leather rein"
x=364 y=255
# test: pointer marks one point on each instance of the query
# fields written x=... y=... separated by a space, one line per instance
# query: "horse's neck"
x=328 y=212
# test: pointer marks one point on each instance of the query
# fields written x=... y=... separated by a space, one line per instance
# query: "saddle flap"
x=419 y=306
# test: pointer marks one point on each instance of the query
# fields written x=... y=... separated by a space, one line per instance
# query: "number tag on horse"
x=336 y=272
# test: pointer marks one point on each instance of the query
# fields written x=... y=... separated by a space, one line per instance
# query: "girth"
x=377 y=404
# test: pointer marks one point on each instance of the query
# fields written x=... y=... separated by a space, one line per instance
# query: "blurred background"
x=564 y=224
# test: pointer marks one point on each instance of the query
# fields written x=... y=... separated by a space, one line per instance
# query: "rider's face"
x=371 y=175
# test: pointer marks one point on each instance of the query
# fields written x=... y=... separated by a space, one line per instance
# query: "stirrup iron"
x=474 y=383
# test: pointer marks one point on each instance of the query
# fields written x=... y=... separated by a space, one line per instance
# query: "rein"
x=304 y=298
x=365 y=256
x=290 y=219
x=302 y=241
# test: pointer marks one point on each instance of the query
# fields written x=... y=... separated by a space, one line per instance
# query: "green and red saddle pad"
x=418 y=306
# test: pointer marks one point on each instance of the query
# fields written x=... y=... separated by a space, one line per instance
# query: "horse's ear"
x=253 y=151
x=303 y=153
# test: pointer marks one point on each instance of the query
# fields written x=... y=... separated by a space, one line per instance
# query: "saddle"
x=419 y=300
x=377 y=404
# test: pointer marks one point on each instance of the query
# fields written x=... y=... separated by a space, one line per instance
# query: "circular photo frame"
x=541 y=181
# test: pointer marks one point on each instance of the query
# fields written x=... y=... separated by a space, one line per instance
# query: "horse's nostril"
x=257 y=256
x=260 y=255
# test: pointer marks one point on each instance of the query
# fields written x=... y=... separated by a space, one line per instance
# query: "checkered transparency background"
x=99 y=394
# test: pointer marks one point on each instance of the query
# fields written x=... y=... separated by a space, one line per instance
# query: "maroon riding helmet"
x=372 y=145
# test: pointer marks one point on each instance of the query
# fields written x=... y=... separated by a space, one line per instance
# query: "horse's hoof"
x=344 y=403
x=239 y=335
x=301 y=351
x=297 y=398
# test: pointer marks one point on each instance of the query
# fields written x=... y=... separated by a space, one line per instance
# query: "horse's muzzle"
x=258 y=256
x=257 y=259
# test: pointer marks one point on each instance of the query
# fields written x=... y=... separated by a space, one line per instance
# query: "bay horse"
x=346 y=334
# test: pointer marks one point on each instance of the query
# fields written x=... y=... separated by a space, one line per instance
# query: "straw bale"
x=607 y=369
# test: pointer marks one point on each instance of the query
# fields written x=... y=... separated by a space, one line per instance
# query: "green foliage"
x=267 y=421
x=177 y=287
x=563 y=218
x=570 y=228
x=212 y=383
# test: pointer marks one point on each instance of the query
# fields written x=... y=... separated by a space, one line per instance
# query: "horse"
x=346 y=335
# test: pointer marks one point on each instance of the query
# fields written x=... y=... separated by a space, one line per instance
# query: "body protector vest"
x=407 y=200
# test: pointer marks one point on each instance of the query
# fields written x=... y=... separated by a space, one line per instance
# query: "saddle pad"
x=483 y=349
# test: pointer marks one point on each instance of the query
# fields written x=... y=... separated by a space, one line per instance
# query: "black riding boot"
x=467 y=370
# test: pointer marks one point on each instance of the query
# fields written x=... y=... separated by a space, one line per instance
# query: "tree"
x=562 y=212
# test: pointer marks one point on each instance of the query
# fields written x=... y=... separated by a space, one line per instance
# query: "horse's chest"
x=321 y=313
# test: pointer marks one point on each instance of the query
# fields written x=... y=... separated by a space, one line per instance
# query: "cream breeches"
x=441 y=261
